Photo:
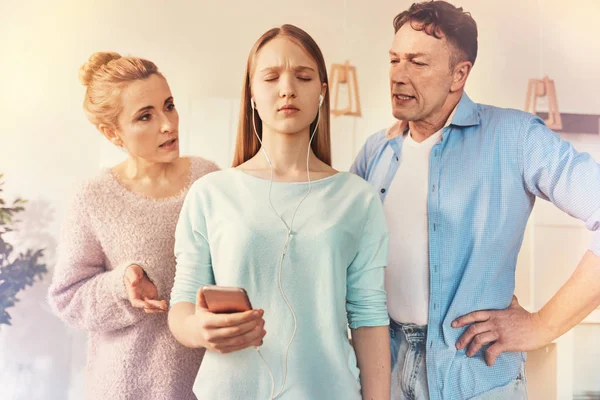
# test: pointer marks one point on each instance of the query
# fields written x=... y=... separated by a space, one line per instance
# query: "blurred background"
x=47 y=145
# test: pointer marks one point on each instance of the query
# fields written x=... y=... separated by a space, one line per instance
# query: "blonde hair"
x=247 y=144
x=105 y=75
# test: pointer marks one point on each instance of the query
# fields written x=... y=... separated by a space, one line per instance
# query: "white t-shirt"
x=405 y=206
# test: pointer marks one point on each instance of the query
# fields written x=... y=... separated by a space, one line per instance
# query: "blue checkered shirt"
x=484 y=177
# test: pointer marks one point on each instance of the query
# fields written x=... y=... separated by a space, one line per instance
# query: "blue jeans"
x=409 y=372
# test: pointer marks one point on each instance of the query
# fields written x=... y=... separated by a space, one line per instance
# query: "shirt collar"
x=464 y=114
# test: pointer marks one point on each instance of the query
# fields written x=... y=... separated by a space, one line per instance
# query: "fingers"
x=141 y=297
x=153 y=311
x=476 y=316
x=141 y=291
x=213 y=321
x=155 y=307
x=253 y=337
x=481 y=340
x=224 y=334
x=137 y=303
x=225 y=350
x=470 y=333
x=133 y=278
x=149 y=305
x=157 y=304
x=492 y=353
x=133 y=275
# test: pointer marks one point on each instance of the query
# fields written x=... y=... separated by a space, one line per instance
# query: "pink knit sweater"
x=131 y=355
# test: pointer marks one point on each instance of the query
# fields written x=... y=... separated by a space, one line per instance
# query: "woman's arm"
x=83 y=292
x=372 y=347
x=366 y=305
x=190 y=321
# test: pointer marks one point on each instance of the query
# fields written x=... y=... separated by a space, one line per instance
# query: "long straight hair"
x=247 y=145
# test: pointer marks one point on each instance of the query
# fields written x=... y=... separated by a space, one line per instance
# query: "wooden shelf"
x=580 y=123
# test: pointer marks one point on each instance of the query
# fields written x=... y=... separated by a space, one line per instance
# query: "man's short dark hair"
x=442 y=19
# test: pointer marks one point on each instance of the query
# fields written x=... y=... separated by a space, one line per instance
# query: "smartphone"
x=226 y=300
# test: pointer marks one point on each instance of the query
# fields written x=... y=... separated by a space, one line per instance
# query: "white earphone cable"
x=287 y=241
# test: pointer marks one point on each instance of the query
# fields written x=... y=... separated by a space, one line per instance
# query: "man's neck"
x=423 y=129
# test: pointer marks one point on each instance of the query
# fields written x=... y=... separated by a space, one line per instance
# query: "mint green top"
x=333 y=274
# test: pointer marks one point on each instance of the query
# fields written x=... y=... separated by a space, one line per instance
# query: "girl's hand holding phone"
x=226 y=332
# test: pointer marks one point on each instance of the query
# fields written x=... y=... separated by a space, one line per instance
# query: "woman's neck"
x=287 y=153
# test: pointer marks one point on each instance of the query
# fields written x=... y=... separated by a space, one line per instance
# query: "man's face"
x=420 y=74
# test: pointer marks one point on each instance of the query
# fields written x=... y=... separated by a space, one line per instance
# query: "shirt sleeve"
x=359 y=166
x=192 y=250
x=365 y=296
x=553 y=170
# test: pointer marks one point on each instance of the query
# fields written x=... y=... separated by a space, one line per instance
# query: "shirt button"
x=382 y=190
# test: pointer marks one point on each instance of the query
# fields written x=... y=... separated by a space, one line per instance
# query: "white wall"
x=47 y=145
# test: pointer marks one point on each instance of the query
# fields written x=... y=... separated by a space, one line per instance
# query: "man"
x=458 y=181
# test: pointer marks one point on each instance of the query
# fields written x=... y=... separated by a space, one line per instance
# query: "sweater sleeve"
x=84 y=293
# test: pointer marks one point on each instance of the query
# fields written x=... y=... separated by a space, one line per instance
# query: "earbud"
x=320 y=100
x=252 y=102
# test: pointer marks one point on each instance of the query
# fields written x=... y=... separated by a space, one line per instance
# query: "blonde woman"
x=116 y=265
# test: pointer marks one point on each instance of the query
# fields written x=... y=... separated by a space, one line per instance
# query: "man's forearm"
x=576 y=299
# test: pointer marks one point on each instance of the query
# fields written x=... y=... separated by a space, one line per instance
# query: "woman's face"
x=148 y=124
x=285 y=86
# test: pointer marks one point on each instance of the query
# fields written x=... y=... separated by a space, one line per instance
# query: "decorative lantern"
x=344 y=75
x=544 y=88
